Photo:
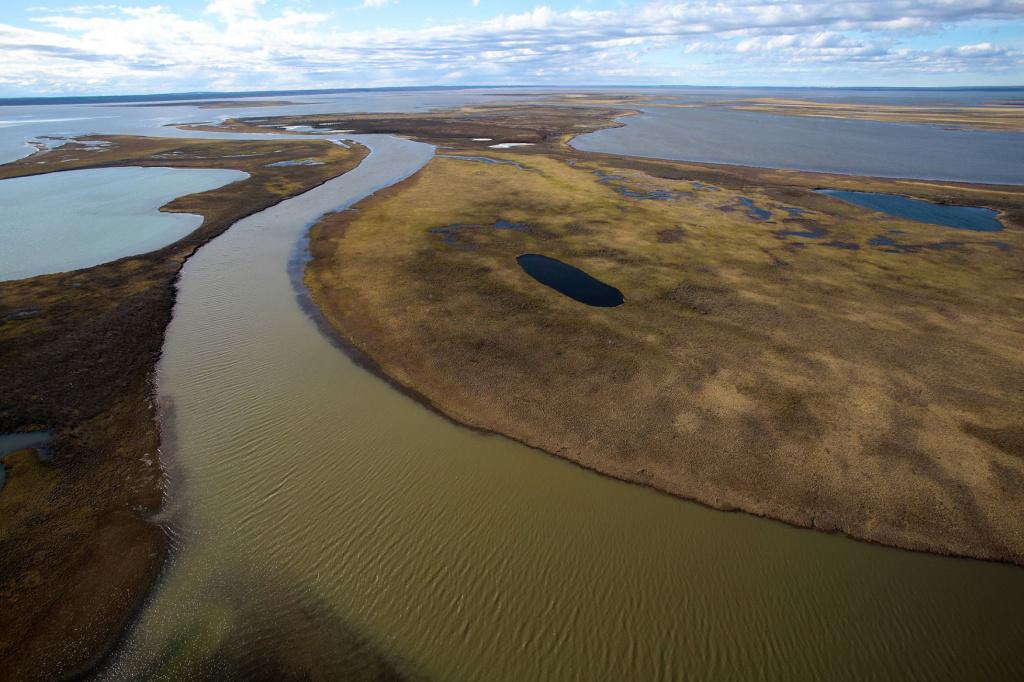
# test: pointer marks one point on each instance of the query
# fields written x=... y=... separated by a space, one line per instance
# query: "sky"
x=71 y=47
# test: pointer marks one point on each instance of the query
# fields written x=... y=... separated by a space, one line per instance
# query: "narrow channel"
x=305 y=490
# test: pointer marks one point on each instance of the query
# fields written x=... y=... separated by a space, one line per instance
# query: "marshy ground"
x=775 y=353
x=77 y=548
x=778 y=351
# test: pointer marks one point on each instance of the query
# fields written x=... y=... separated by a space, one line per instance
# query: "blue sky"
x=134 y=46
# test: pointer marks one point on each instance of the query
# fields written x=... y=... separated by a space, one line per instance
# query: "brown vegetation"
x=787 y=366
x=77 y=548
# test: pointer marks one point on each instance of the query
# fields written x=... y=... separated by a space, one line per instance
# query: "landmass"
x=478 y=126
x=779 y=352
x=78 y=541
x=1008 y=117
x=220 y=104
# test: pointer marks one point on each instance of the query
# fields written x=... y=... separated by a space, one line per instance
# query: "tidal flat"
x=78 y=547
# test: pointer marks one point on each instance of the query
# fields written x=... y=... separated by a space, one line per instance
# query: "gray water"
x=894 y=150
x=79 y=218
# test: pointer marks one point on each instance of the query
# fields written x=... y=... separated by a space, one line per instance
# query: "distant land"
x=177 y=96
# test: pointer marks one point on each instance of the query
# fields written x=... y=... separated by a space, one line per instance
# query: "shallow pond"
x=75 y=219
x=569 y=280
x=972 y=218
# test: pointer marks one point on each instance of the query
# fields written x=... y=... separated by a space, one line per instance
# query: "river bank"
x=77 y=542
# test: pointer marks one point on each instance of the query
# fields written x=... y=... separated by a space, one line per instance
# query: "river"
x=302 y=484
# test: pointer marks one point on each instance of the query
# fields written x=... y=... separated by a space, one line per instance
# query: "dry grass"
x=871 y=393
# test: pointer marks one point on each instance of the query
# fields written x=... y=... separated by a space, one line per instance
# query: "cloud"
x=247 y=43
x=234 y=10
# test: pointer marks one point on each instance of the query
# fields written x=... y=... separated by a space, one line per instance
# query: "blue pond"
x=570 y=281
x=959 y=217
x=753 y=210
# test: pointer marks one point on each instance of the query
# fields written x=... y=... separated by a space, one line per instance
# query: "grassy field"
x=77 y=548
x=770 y=356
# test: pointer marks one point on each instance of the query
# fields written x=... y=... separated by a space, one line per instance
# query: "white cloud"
x=238 y=44
x=235 y=10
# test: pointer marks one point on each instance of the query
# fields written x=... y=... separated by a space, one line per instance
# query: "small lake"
x=571 y=281
x=75 y=219
x=959 y=217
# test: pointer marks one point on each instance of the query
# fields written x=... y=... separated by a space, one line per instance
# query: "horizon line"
x=239 y=94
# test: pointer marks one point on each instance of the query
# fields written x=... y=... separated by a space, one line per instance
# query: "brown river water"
x=312 y=505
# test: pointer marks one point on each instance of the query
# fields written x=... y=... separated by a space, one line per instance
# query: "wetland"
x=322 y=524
x=78 y=542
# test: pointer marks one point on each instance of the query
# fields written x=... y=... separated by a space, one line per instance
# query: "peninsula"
x=779 y=351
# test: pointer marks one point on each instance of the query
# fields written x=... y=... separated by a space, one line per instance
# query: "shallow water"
x=76 y=219
x=971 y=218
x=470 y=557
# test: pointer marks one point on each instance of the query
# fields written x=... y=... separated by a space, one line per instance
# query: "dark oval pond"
x=570 y=281
x=960 y=217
